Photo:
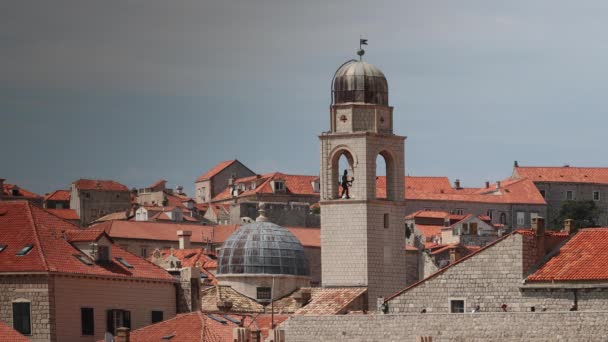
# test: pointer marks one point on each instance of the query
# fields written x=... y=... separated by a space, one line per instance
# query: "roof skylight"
x=23 y=251
x=124 y=262
x=3 y=247
x=83 y=259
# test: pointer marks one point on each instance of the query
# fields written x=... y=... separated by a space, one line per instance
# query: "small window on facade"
x=596 y=195
x=473 y=228
x=520 y=218
x=457 y=306
x=386 y=221
x=503 y=218
x=490 y=212
x=87 y=195
x=455 y=231
x=23 y=251
x=3 y=247
x=569 y=195
x=465 y=228
x=144 y=252
x=116 y=319
x=22 y=317
x=263 y=293
x=103 y=253
x=543 y=193
x=157 y=316
x=87 y=319
x=458 y=211
x=124 y=262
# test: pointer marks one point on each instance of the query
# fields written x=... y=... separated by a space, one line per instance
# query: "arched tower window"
x=342 y=161
x=385 y=176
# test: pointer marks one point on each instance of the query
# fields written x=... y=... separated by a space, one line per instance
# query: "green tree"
x=584 y=213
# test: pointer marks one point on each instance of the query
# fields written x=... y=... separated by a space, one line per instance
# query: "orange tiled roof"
x=157 y=183
x=203 y=327
x=566 y=174
x=429 y=231
x=215 y=170
x=58 y=195
x=583 y=258
x=7 y=189
x=428 y=214
x=66 y=214
x=294 y=184
x=11 y=335
x=101 y=185
x=330 y=301
x=22 y=224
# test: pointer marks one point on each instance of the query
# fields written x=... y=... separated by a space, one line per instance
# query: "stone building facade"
x=561 y=184
x=363 y=236
x=93 y=199
x=214 y=181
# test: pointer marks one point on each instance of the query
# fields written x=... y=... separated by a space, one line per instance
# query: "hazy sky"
x=137 y=90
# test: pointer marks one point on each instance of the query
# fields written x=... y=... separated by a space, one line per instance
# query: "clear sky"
x=137 y=90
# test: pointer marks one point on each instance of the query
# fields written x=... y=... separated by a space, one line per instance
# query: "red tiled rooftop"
x=294 y=184
x=428 y=214
x=7 y=189
x=429 y=231
x=157 y=183
x=9 y=334
x=583 y=258
x=215 y=170
x=66 y=214
x=22 y=223
x=331 y=301
x=58 y=195
x=100 y=185
x=565 y=174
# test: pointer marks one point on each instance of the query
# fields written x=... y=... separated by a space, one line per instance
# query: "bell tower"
x=362 y=237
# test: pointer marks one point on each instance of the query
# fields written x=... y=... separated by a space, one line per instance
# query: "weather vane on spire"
x=361 y=52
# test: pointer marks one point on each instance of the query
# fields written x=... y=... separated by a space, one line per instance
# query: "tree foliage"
x=584 y=213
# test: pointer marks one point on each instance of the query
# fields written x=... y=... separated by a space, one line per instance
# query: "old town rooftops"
x=261 y=184
x=564 y=174
x=34 y=240
x=99 y=185
x=583 y=258
x=58 y=195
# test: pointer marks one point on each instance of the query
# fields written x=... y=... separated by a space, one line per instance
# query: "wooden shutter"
x=110 y=322
x=126 y=317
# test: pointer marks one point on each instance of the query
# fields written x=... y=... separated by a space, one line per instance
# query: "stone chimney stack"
x=569 y=226
x=538 y=226
x=454 y=255
x=515 y=164
x=497 y=185
x=457 y=184
x=122 y=335
x=184 y=238
x=487 y=184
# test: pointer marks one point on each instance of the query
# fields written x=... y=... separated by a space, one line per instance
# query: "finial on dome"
x=262 y=213
x=361 y=52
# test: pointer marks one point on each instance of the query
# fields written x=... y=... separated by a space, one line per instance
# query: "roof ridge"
x=61 y=218
x=203 y=324
x=30 y=217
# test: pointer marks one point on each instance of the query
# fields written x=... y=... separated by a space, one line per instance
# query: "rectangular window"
x=22 y=317
x=520 y=218
x=455 y=231
x=157 y=316
x=124 y=262
x=23 y=251
x=457 y=306
x=87 y=321
x=596 y=195
x=569 y=195
x=458 y=211
x=473 y=228
x=386 y=221
x=117 y=319
x=263 y=293
x=465 y=228
x=490 y=213
x=144 y=252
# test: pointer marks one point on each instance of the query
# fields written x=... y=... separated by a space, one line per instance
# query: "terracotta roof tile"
x=66 y=214
x=100 y=185
x=215 y=170
x=330 y=301
x=583 y=258
x=7 y=189
x=58 y=195
x=569 y=174
x=22 y=223
x=294 y=184
x=429 y=231
x=11 y=335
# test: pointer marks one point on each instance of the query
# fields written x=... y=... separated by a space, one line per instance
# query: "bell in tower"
x=362 y=234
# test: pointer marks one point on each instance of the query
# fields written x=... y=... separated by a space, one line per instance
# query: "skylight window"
x=25 y=250
x=83 y=259
x=3 y=247
x=124 y=262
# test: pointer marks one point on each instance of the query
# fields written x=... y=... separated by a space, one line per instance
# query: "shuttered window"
x=21 y=318
x=87 y=321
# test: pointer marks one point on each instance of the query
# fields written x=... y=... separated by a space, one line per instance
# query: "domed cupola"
x=259 y=252
x=359 y=82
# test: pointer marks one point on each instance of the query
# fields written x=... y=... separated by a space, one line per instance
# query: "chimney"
x=515 y=164
x=538 y=226
x=487 y=184
x=569 y=226
x=457 y=184
x=179 y=190
x=497 y=185
x=122 y=335
x=241 y=335
x=184 y=238
x=2 y=187
x=262 y=213
x=302 y=297
x=454 y=255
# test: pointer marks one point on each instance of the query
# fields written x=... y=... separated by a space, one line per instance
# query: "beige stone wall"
x=98 y=204
x=36 y=290
x=220 y=181
x=524 y=327
x=313 y=254
x=141 y=298
x=555 y=195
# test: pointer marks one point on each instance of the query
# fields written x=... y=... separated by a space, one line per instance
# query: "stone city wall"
x=505 y=326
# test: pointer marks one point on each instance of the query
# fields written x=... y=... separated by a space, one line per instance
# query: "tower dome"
x=359 y=82
x=262 y=248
